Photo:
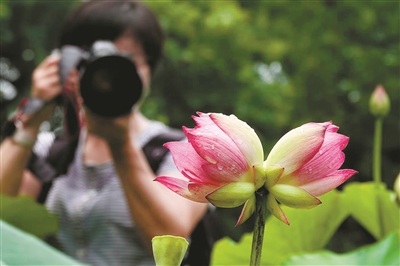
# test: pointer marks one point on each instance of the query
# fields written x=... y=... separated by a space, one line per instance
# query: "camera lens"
x=110 y=86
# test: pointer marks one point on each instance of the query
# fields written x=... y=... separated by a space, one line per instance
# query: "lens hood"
x=110 y=86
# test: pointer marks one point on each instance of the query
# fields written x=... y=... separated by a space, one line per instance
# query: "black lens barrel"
x=110 y=86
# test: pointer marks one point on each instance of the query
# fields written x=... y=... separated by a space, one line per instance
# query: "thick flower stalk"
x=222 y=163
x=303 y=165
x=379 y=106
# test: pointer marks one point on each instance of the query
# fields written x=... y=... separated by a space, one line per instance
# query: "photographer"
x=108 y=205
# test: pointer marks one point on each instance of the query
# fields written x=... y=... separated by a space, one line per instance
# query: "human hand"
x=46 y=80
x=45 y=86
x=114 y=130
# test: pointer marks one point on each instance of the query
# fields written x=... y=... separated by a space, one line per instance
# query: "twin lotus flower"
x=223 y=163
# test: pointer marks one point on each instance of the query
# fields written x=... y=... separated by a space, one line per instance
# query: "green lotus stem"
x=258 y=233
x=376 y=167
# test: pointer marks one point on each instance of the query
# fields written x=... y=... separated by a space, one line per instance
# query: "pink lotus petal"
x=297 y=147
x=203 y=120
x=311 y=177
x=192 y=176
x=332 y=128
x=326 y=161
x=242 y=135
x=185 y=157
x=202 y=190
x=180 y=187
x=326 y=184
x=218 y=164
x=215 y=146
x=224 y=172
x=334 y=140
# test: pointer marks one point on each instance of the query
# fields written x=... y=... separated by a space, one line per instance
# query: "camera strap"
x=27 y=106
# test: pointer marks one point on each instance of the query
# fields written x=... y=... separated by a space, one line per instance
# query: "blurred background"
x=274 y=64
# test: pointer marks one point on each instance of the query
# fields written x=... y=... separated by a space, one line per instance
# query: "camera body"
x=109 y=83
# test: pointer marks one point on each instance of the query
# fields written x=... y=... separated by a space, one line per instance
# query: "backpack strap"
x=56 y=163
x=154 y=149
x=60 y=156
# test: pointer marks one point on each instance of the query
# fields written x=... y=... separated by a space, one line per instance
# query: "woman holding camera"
x=108 y=205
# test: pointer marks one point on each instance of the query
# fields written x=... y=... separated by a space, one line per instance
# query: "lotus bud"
x=379 y=103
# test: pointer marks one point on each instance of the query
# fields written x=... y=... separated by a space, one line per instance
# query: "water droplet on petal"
x=220 y=167
x=234 y=169
x=210 y=160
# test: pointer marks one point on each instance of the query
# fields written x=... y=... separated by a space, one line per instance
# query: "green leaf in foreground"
x=20 y=248
x=27 y=215
x=385 y=252
x=309 y=230
x=169 y=250
x=362 y=201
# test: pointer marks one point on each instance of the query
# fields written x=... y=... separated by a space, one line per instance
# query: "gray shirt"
x=95 y=223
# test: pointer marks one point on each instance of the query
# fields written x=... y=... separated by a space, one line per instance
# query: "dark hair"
x=109 y=20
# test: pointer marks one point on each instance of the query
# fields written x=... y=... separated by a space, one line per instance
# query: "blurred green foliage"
x=374 y=207
x=316 y=61
x=311 y=232
x=384 y=252
x=274 y=64
x=28 y=215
